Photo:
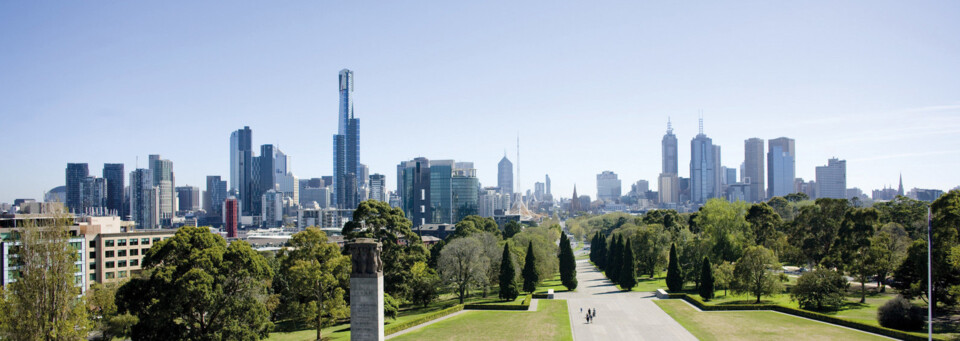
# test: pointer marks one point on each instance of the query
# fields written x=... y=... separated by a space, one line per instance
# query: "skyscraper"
x=188 y=198
x=265 y=173
x=608 y=186
x=76 y=172
x=93 y=196
x=781 y=167
x=163 y=179
x=832 y=179
x=753 y=169
x=231 y=216
x=144 y=200
x=378 y=187
x=241 y=168
x=505 y=175
x=668 y=186
x=465 y=189
x=415 y=190
x=704 y=168
x=113 y=172
x=346 y=147
x=214 y=196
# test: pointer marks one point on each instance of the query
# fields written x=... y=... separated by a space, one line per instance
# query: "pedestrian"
x=581 y=310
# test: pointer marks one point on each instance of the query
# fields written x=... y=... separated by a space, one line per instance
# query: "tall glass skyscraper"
x=753 y=168
x=704 y=169
x=505 y=175
x=241 y=168
x=668 y=185
x=346 y=148
x=113 y=172
x=163 y=179
x=76 y=172
x=781 y=167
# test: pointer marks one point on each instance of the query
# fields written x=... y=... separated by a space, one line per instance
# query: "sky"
x=587 y=86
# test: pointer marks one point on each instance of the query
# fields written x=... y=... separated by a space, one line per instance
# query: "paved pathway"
x=620 y=315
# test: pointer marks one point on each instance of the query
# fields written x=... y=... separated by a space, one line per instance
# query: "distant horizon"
x=586 y=89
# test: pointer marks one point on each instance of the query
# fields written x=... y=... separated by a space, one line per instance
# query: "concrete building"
x=832 y=179
x=231 y=216
x=164 y=181
x=753 y=163
x=667 y=183
x=669 y=188
x=93 y=196
x=188 y=199
x=781 y=167
x=378 y=187
x=272 y=209
x=608 y=187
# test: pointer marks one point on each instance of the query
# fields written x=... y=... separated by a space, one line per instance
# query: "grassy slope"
x=755 y=325
x=549 y=322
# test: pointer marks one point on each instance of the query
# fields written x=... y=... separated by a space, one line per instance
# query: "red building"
x=231 y=216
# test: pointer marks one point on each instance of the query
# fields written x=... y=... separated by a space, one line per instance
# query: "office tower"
x=441 y=191
x=272 y=208
x=539 y=191
x=163 y=179
x=113 y=172
x=640 y=188
x=669 y=189
x=214 y=196
x=188 y=198
x=548 y=185
x=781 y=167
x=346 y=147
x=608 y=187
x=505 y=175
x=832 y=179
x=76 y=172
x=241 y=168
x=378 y=187
x=752 y=172
x=465 y=191
x=93 y=196
x=729 y=175
x=266 y=172
x=415 y=190
x=144 y=200
x=286 y=183
x=704 y=169
x=231 y=216
x=668 y=148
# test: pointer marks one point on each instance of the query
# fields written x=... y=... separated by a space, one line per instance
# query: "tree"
x=725 y=224
x=911 y=276
x=853 y=246
x=508 y=275
x=723 y=276
x=755 y=273
x=463 y=263
x=511 y=228
x=401 y=247
x=473 y=224
x=628 y=269
x=674 y=277
x=889 y=246
x=820 y=289
x=491 y=250
x=101 y=301
x=614 y=255
x=193 y=286
x=424 y=285
x=911 y=214
x=545 y=250
x=568 y=264
x=42 y=303
x=764 y=222
x=531 y=276
x=706 y=279
x=691 y=250
x=601 y=249
x=391 y=307
x=317 y=273
x=650 y=244
x=796 y=197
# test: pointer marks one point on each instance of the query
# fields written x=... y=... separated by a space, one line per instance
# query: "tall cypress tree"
x=674 y=276
x=508 y=275
x=593 y=248
x=601 y=251
x=628 y=270
x=706 y=279
x=568 y=264
x=613 y=257
x=530 y=276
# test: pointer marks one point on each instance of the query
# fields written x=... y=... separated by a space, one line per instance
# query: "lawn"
x=755 y=325
x=549 y=322
x=553 y=283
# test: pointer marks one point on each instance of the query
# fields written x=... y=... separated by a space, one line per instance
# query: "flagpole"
x=929 y=276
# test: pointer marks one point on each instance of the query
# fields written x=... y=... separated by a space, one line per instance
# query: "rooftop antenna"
x=669 y=126
x=701 y=121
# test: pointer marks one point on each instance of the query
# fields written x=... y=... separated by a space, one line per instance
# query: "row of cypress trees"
x=509 y=289
x=568 y=264
x=615 y=257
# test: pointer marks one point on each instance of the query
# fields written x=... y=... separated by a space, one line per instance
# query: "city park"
x=789 y=267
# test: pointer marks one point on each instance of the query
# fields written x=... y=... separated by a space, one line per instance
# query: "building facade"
x=346 y=148
x=114 y=174
x=505 y=175
x=76 y=172
x=608 y=187
x=753 y=163
x=781 y=167
x=241 y=167
x=832 y=179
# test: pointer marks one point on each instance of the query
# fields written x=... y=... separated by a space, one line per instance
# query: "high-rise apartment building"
x=76 y=172
x=144 y=200
x=378 y=187
x=753 y=169
x=93 y=196
x=505 y=175
x=163 y=179
x=832 y=179
x=608 y=187
x=781 y=167
x=346 y=148
x=669 y=188
x=241 y=168
x=231 y=216
x=705 y=180
x=113 y=172
x=214 y=196
x=272 y=208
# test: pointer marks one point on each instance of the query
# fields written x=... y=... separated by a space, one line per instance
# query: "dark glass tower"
x=346 y=147
x=113 y=172
x=76 y=172
x=241 y=168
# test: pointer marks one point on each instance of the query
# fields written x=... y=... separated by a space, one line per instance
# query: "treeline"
x=866 y=243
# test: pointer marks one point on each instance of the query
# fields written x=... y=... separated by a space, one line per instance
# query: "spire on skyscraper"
x=669 y=126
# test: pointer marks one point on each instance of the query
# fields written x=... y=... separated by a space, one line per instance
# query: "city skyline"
x=100 y=106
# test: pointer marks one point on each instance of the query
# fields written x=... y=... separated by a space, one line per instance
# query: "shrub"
x=821 y=289
x=899 y=313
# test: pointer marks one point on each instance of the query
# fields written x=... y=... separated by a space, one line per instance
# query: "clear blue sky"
x=588 y=86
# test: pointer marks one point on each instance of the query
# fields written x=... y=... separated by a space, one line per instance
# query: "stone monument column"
x=366 y=291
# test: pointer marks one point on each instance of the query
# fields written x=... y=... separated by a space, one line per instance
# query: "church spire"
x=900 y=189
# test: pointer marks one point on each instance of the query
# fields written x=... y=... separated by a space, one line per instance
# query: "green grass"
x=549 y=322
x=755 y=325
x=553 y=283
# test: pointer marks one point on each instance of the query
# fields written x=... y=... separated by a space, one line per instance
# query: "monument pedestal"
x=366 y=309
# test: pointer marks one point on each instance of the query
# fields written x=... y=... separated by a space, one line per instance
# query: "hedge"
x=540 y=296
x=804 y=313
x=525 y=305
x=396 y=327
